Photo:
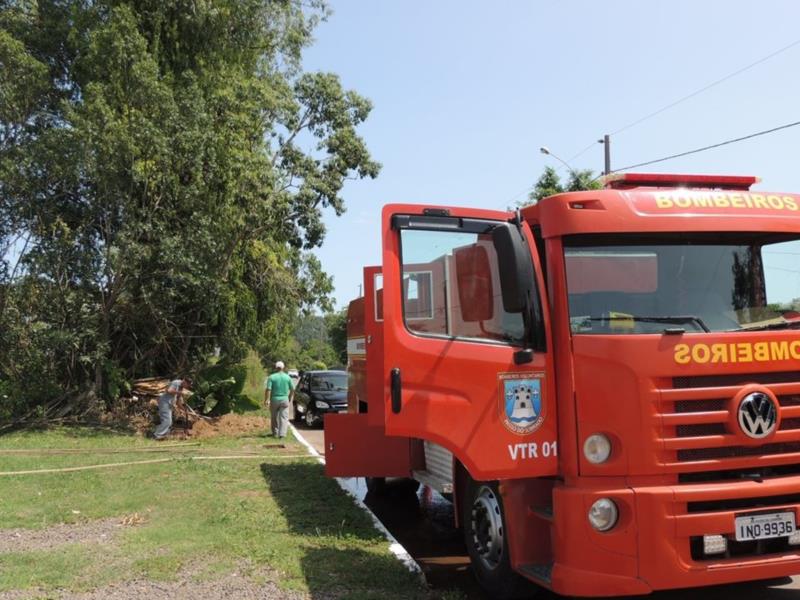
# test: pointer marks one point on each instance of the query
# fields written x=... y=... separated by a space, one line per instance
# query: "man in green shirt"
x=277 y=395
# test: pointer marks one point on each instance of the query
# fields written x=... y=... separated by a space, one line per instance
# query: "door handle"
x=396 y=391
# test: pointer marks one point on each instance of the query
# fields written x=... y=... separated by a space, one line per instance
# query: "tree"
x=164 y=165
x=549 y=184
x=316 y=341
x=337 y=334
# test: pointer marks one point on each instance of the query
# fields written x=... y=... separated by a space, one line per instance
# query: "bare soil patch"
x=231 y=587
x=90 y=532
x=230 y=424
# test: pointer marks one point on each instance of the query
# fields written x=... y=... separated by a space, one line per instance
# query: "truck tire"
x=484 y=526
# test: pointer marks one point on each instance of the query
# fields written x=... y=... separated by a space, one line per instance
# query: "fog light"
x=597 y=448
x=794 y=539
x=603 y=514
x=715 y=544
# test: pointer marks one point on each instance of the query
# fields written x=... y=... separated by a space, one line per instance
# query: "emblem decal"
x=758 y=415
x=521 y=402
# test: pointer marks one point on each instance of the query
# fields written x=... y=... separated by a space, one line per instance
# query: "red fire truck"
x=607 y=383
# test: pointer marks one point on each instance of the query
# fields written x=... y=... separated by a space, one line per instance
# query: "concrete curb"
x=395 y=547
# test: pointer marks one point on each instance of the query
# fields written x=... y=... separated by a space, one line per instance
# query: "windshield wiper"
x=768 y=326
x=677 y=319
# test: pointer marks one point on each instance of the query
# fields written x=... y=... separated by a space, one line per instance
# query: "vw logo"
x=758 y=415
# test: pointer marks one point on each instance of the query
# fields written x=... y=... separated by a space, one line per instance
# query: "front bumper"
x=331 y=409
x=651 y=546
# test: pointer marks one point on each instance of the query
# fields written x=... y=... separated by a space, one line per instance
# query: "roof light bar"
x=621 y=181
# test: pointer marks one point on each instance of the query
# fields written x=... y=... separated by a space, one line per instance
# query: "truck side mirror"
x=474 y=284
x=515 y=266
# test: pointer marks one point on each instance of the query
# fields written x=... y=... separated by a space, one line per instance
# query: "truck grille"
x=736 y=379
x=696 y=425
x=701 y=443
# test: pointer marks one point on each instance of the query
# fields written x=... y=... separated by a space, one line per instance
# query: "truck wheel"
x=485 y=537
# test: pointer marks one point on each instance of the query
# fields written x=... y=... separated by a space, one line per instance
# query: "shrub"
x=218 y=388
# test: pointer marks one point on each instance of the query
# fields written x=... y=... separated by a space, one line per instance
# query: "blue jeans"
x=165 y=415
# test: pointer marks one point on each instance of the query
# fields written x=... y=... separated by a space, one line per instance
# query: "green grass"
x=279 y=516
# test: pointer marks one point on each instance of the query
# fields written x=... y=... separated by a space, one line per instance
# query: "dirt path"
x=231 y=587
x=92 y=532
x=234 y=586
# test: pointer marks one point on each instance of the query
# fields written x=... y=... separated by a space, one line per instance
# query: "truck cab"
x=608 y=382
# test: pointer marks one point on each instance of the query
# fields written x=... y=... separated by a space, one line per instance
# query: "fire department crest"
x=521 y=407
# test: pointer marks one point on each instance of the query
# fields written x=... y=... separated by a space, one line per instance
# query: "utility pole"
x=606 y=141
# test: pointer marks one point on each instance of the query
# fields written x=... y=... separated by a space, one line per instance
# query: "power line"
x=703 y=149
x=584 y=151
x=692 y=95
x=526 y=191
x=706 y=87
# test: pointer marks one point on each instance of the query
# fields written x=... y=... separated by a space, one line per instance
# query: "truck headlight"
x=321 y=404
x=597 y=448
x=603 y=514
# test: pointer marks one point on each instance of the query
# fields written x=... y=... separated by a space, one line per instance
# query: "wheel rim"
x=309 y=418
x=487 y=528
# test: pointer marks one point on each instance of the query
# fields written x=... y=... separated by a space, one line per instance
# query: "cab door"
x=463 y=366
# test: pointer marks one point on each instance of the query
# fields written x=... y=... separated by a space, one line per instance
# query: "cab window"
x=451 y=287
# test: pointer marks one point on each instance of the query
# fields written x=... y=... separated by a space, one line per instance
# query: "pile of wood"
x=140 y=409
x=150 y=388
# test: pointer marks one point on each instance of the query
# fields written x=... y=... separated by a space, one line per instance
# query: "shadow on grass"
x=314 y=504
x=353 y=573
x=344 y=555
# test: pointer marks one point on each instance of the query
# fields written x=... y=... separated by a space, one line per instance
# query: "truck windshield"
x=692 y=283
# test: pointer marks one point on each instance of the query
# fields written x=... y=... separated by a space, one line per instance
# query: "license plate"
x=763 y=527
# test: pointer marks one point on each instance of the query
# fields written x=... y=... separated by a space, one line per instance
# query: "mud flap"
x=354 y=448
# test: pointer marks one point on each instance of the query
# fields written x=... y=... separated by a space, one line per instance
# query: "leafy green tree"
x=337 y=334
x=549 y=184
x=316 y=341
x=164 y=168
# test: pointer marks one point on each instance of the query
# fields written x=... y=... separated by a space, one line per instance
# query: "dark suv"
x=320 y=392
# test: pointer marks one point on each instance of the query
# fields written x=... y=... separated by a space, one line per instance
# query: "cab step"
x=540 y=574
x=438 y=471
x=433 y=480
x=543 y=512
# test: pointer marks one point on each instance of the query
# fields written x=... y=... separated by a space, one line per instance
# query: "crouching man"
x=166 y=404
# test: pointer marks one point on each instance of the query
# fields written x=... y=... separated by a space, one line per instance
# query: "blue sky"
x=466 y=92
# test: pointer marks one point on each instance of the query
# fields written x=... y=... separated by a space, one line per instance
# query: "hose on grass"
x=152 y=462
x=64 y=451
x=69 y=451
